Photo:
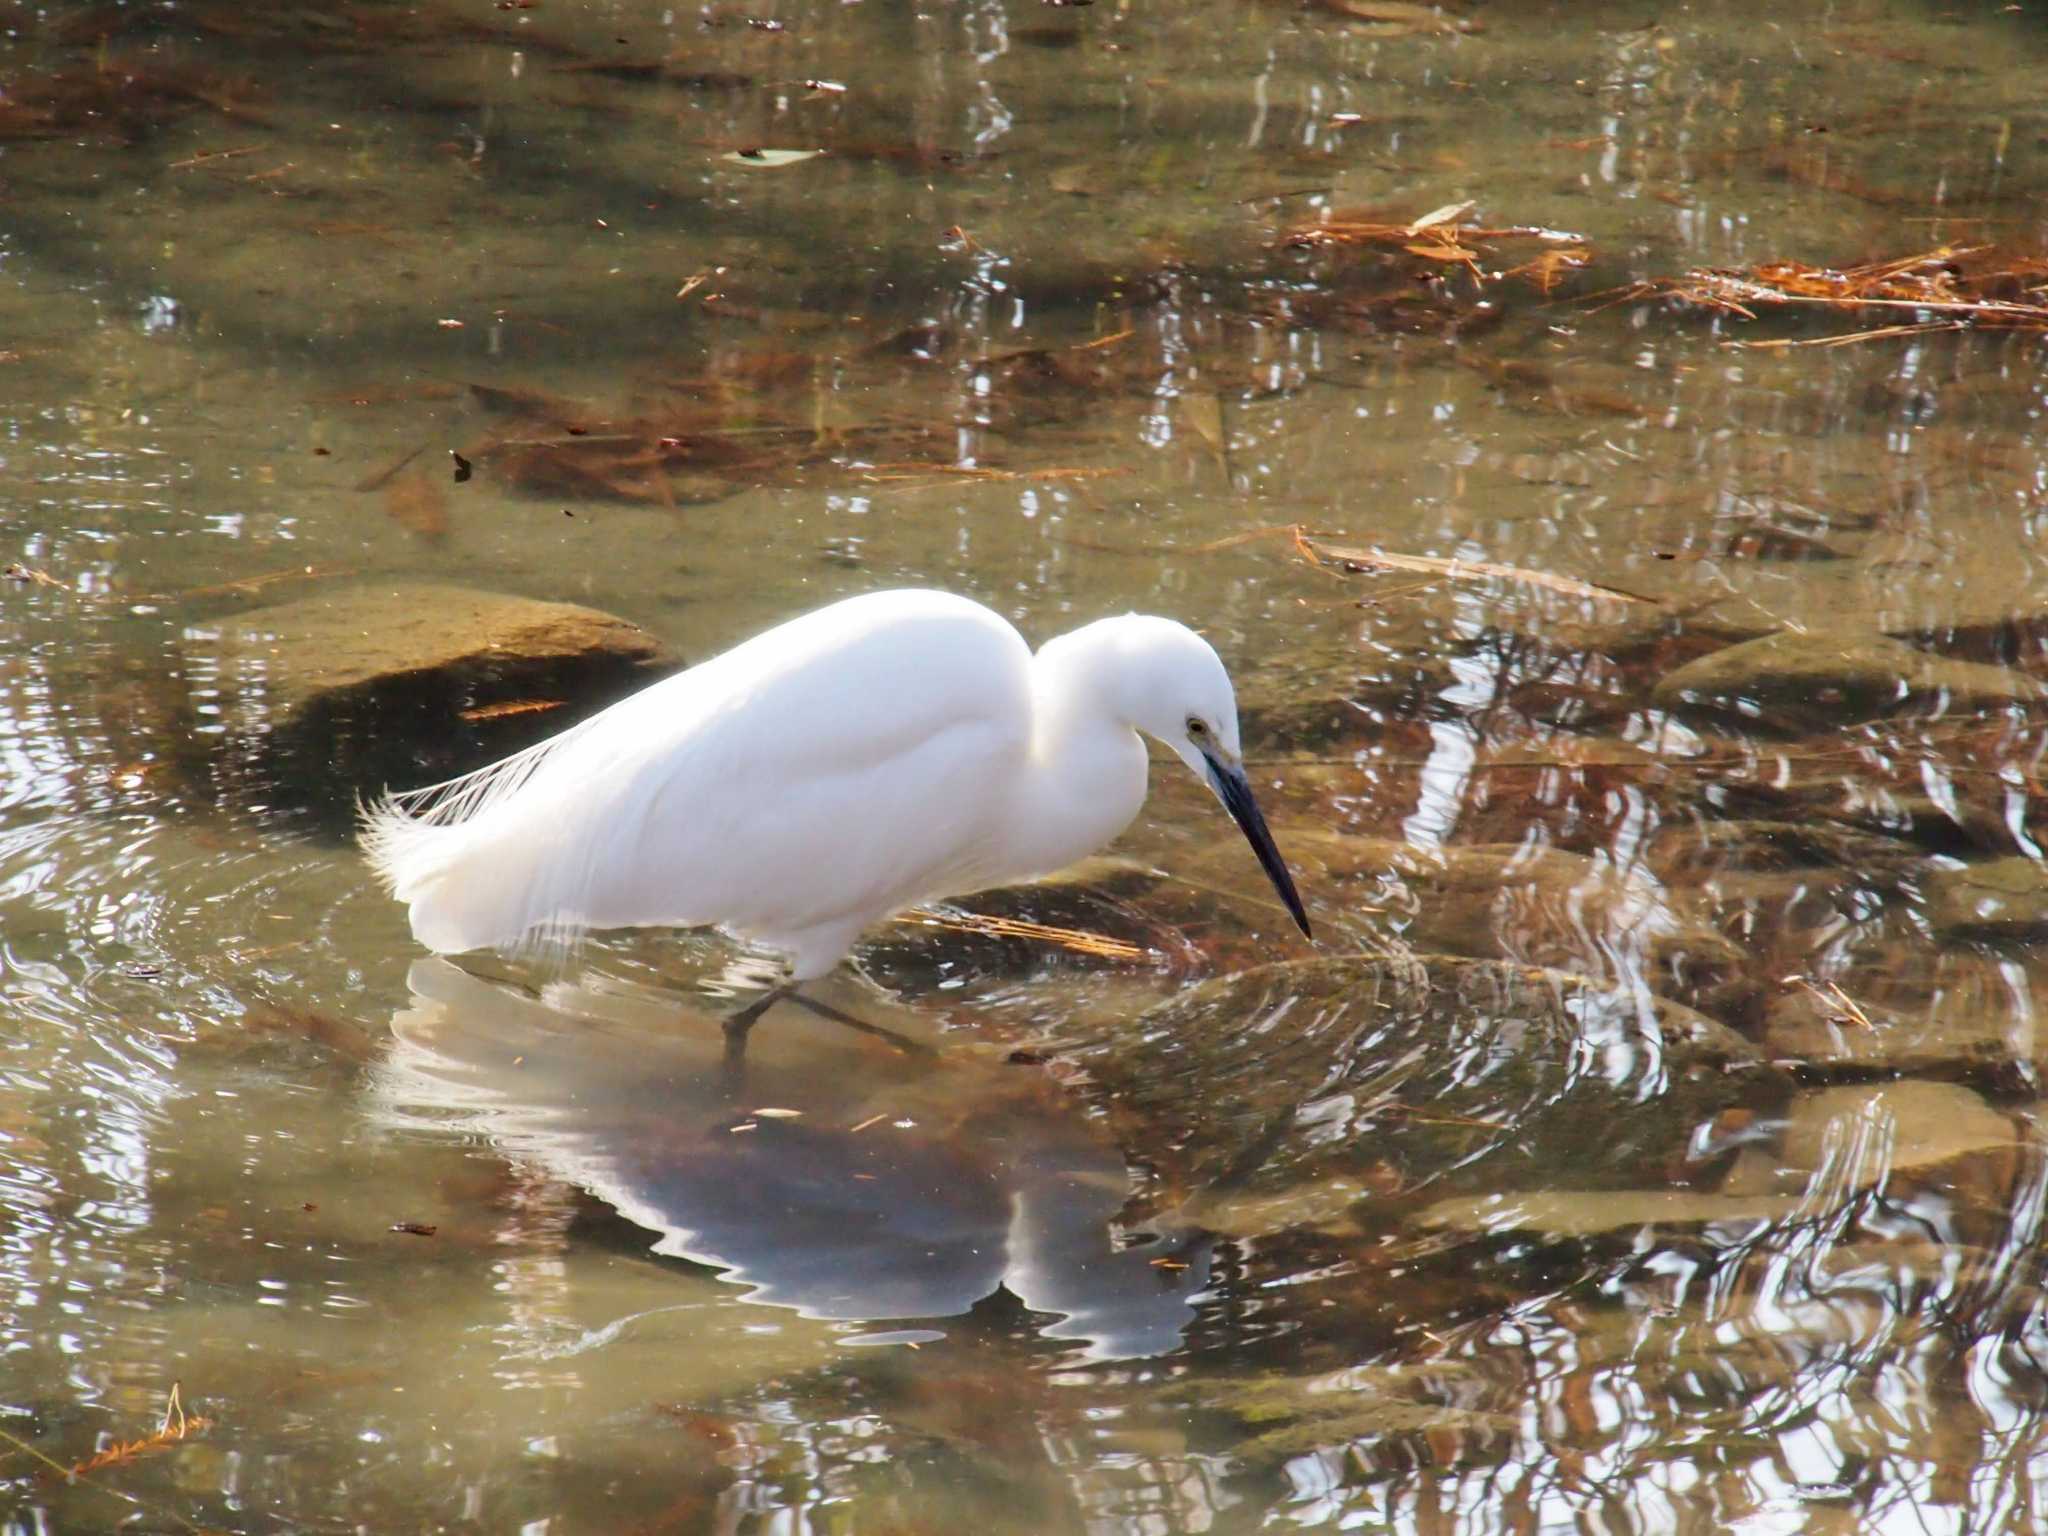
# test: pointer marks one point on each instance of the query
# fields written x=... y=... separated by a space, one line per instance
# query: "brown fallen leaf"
x=177 y=1424
x=419 y=505
x=1443 y=215
x=1547 y=269
x=1203 y=414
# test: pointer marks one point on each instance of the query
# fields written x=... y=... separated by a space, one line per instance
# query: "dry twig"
x=1320 y=554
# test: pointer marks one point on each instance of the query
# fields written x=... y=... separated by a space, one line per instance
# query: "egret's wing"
x=831 y=791
x=816 y=774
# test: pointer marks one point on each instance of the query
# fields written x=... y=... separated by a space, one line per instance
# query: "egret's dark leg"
x=739 y=1024
x=737 y=1027
x=901 y=1042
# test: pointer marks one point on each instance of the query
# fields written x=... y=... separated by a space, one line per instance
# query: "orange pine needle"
x=1095 y=944
x=513 y=707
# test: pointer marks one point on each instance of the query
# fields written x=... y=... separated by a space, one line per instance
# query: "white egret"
x=882 y=752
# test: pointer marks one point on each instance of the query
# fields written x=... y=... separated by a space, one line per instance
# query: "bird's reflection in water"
x=831 y=1172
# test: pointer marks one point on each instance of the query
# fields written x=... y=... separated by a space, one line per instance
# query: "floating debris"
x=28 y=575
x=1442 y=238
x=1945 y=289
x=771 y=159
x=176 y=1427
x=1397 y=18
x=1346 y=556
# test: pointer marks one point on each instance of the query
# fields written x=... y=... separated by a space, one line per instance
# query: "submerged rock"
x=1536 y=906
x=1905 y=1006
x=1996 y=899
x=1973 y=813
x=1835 y=1142
x=1809 y=679
x=1390 y=1075
x=1590 y=1212
x=1901 y=1137
x=1682 y=850
x=321 y=700
x=1919 y=1125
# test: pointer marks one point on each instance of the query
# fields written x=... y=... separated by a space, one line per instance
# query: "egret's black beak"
x=1235 y=791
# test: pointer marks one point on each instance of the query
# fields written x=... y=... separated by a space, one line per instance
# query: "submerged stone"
x=1905 y=1006
x=1806 y=679
x=1914 y=1124
x=399 y=684
x=1902 y=1137
x=1388 y=1075
x=1973 y=813
x=1590 y=1212
x=1537 y=906
x=1835 y=1143
x=1681 y=850
x=1997 y=899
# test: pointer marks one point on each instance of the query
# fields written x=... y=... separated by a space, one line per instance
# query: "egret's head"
x=1172 y=686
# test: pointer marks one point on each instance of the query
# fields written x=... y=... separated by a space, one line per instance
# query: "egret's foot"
x=901 y=1042
x=738 y=1026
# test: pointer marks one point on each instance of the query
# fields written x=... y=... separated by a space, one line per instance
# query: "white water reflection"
x=829 y=1173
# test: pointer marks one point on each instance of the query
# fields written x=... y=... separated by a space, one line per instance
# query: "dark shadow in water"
x=832 y=1175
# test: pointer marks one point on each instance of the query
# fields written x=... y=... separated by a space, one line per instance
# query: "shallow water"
x=1652 y=1141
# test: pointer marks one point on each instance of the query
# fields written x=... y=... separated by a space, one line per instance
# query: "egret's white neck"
x=1085 y=779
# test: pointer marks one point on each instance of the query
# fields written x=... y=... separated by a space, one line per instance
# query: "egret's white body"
x=885 y=751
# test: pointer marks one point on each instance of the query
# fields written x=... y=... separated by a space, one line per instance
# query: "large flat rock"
x=1992 y=899
x=1900 y=1136
x=1286 y=1094
x=401 y=683
x=1545 y=907
x=329 y=651
x=1962 y=1011
x=1798 y=679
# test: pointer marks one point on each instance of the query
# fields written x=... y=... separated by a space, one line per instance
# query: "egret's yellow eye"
x=1197 y=728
